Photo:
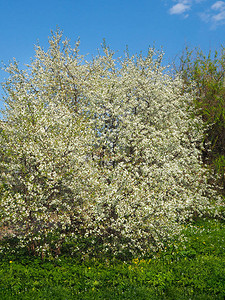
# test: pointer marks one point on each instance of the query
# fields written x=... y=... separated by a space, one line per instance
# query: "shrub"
x=105 y=154
x=208 y=73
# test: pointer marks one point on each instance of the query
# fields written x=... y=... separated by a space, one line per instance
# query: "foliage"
x=208 y=73
x=193 y=269
x=104 y=155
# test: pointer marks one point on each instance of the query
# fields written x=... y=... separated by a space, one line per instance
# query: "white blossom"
x=106 y=150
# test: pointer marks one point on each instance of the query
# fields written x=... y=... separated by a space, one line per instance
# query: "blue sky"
x=170 y=24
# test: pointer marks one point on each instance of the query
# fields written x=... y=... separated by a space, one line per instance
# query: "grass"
x=194 y=269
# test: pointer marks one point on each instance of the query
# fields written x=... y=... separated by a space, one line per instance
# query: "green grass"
x=194 y=269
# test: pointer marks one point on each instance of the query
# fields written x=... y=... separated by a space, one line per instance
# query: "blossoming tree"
x=104 y=151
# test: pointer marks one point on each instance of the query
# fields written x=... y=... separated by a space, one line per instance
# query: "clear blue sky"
x=139 y=24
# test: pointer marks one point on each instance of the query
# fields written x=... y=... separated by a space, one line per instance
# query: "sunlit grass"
x=194 y=269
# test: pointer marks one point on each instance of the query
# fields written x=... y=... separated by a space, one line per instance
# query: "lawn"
x=194 y=269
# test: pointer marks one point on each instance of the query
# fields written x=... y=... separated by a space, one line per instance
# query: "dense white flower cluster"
x=106 y=152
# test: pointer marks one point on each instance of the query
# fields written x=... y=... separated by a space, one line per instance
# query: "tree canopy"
x=207 y=73
x=105 y=154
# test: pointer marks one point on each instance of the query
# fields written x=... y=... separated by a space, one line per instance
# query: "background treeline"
x=207 y=72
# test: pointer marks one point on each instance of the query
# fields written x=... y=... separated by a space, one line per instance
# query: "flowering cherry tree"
x=104 y=151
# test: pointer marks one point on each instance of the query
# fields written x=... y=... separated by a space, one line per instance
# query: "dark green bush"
x=207 y=71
